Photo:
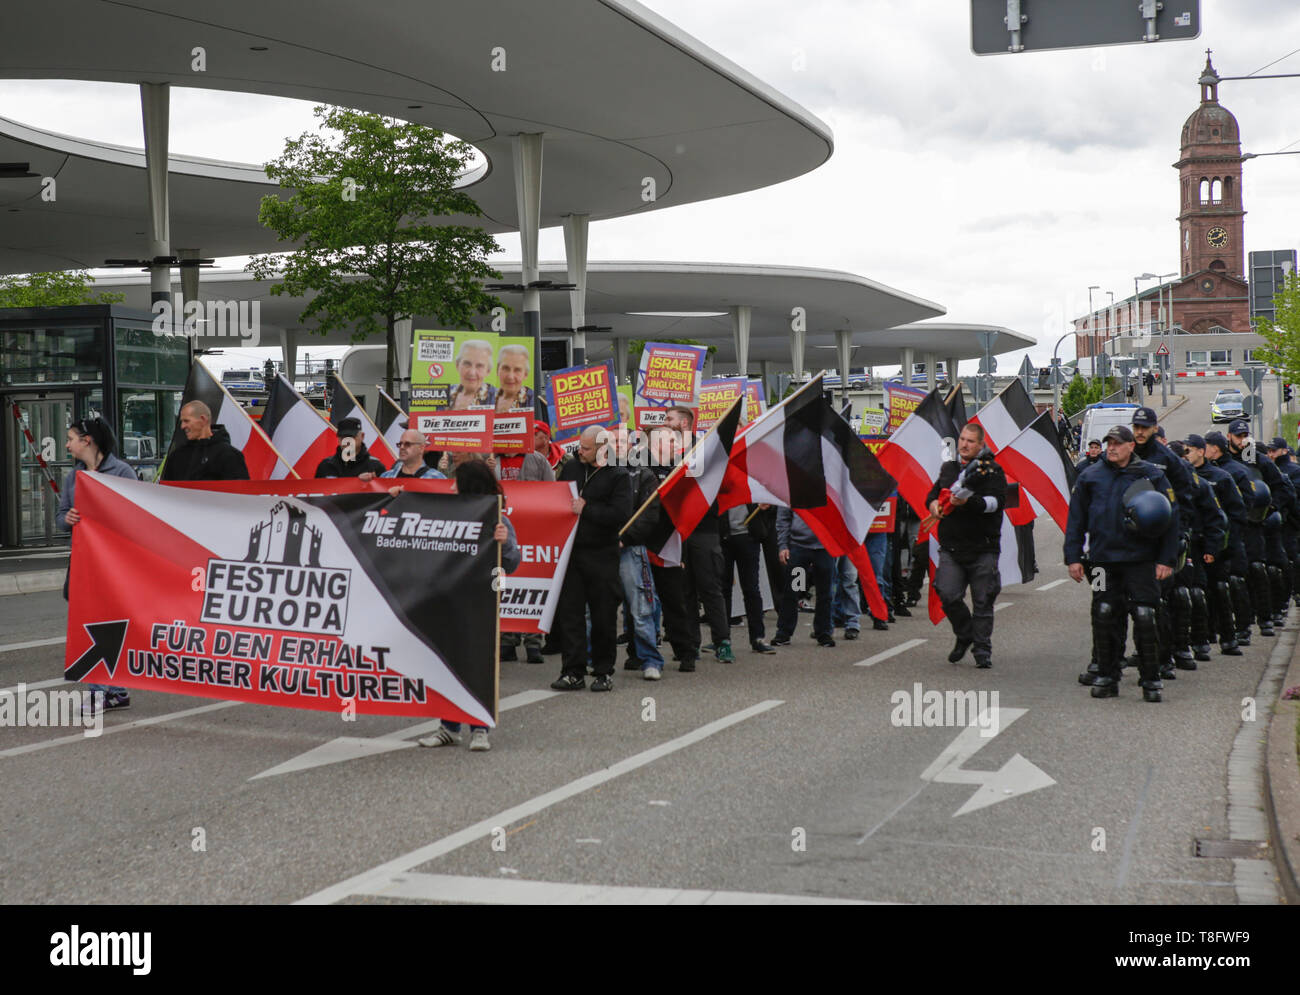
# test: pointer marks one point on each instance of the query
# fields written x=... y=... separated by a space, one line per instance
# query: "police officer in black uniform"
x=1207 y=537
x=1283 y=505
x=1195 y=508
x=1218 y=569
x=1124 y=506
x=1255 y=496
x=1281 y=455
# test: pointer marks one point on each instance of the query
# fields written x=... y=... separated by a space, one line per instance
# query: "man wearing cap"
x=1281 y=457
x=351 y=459
x=1224 y=590
x=1090 y=457
x=1130 y=556
x=1218 y=450
x=1283 y=502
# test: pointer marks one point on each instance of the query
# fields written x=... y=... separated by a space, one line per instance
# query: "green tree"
x=1283 y=333
x=364 y=198
x=60 y=288
x=1082 y=392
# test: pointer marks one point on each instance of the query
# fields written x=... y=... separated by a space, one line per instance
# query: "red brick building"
x=1211 y=293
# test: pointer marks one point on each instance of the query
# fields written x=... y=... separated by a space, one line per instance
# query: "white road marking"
x=1016 y=777
x=345 y=748
x=382 y=876
x=79 y=737
x=34 y=685
x=1055 y=583
x=34 y=644
x=1002 y=604
x=497 y=891
x=871 y=661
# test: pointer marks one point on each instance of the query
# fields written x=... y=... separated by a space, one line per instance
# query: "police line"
x=328 y=594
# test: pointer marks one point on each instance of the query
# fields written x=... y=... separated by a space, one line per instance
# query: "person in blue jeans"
x=642 y=609
x=474 y=477
x=91 y=444
x=806 y=560
x=846 y=602
x=877 y=546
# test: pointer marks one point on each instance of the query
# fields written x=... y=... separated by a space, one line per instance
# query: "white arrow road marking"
x=1017 y=776
x=354 y=747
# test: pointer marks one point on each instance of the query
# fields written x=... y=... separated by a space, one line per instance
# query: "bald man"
x=207 y=453
x=603 y=505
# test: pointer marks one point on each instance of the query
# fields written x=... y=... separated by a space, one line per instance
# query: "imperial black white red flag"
x=302 y=434
x=1035 y=458
x=917 y=449
x=345 y=405
x=687 y=493
x=391 y=420
x=1006 y=416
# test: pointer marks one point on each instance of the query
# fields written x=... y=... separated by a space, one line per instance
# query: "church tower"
x=1210 y=217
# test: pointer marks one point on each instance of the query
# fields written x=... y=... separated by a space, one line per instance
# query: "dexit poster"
x=581 y=396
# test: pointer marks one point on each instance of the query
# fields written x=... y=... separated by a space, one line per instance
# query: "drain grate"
x=1251 y=849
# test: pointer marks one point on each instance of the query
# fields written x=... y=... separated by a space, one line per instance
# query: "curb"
x=32 y=582
x=1282 y=788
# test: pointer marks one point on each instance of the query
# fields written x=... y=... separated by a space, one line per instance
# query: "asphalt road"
x=777 y=778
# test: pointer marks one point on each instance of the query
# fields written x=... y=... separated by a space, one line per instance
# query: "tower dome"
x=1211 y=123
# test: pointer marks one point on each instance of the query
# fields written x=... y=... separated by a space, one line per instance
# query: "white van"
x=1100 y=417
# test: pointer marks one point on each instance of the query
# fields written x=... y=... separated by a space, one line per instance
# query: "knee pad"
x=1181 y=602
x=1144 y=621
x=1104 y=613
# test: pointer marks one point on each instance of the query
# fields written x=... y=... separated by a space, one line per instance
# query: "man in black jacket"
x=1090 y=457
x=970 y=538
x=1128 y=559
x=207 y=453
x=351 y=459
x=603 y=504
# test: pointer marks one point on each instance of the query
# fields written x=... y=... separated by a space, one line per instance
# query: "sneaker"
x=478 y=741
x=983 y=662
x=605 y=682
x=758 y=646
x=877 y=625
x=725 y=655
x=850 y=634
x=708 y=648
x=781 y=641
x=687 y=666
x=631 y=664
x=442 y=737
x=535 y=655
x=825 y=641
x=901 y=611
x=651 y=674
x=93 y=703
x=569 y=682
x=117 y=699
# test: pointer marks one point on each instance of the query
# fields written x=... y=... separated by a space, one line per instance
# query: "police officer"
x=1208 y=535
x=1218 y=568
x=1093 y=454
x=1281 y=455
x=1283 y=505
x=1124 y=506
x=1255 y=496
x=1195 y=508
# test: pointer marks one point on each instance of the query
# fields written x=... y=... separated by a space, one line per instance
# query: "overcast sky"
x=998 y=186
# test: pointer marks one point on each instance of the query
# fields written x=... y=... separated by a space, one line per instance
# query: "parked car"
x=1227 y=405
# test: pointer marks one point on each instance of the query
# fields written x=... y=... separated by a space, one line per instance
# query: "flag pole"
x=256 y=426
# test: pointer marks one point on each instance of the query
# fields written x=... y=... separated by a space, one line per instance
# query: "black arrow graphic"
x=106 y=639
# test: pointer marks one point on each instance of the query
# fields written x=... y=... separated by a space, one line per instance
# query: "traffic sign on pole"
x=1254 y=376
x=998 y=26
x=1028 y=373
x=1163 y=349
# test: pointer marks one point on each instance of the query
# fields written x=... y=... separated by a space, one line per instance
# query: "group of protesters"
x=613 y=567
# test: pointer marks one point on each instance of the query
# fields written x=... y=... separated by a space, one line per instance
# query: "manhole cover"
x=1255 y=849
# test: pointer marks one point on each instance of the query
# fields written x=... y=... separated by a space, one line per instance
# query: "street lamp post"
x=1092 y=332
x=1056 y=373
x=1168 y=318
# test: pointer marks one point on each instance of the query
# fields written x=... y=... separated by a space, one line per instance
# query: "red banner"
x=884 y=522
